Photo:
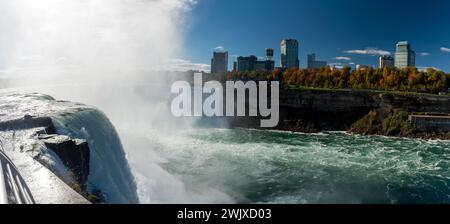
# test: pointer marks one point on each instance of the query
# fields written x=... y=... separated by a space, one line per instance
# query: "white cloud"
x=341 y=64
x=424 y=68
x=445 y=49
x=185 y=65
x=424 y=54
x=343 y=58
x=219 y=48
x=336 y=65
x=369 y=51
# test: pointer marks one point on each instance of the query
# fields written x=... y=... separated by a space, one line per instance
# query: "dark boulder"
x=27 y=122
x=74 y=153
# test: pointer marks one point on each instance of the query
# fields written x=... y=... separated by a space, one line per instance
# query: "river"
x=254 y=166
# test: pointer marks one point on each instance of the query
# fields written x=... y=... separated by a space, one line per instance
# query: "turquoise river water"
x=253 y=166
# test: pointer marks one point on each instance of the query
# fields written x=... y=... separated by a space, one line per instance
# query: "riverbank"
x=365 y=112
x=393 y=123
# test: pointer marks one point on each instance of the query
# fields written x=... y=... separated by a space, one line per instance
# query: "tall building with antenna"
x=269 y=54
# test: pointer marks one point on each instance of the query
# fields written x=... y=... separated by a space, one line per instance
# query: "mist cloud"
x=92 y=39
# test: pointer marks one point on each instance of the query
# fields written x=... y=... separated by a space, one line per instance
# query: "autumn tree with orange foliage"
x=390 y=79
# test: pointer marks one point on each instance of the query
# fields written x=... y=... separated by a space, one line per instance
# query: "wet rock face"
x=74 y=153
x=350 y=100
x=27 y=122
x=39 y=128
x=339 y=109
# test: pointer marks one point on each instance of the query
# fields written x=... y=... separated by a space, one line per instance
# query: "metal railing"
x=13 y=189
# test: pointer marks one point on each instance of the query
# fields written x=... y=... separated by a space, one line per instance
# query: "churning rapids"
x=252 y=166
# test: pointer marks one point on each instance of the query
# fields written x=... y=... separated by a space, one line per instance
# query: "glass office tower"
x=289 y=54
x=404 y=55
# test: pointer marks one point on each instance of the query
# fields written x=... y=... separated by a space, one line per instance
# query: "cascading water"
x=109 y=171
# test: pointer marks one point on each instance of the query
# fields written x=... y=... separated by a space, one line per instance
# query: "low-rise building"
x=313 y=63
x=251 y=63
x=386 y=61
x=246 y=64
x=430 y=123
x=361 y=67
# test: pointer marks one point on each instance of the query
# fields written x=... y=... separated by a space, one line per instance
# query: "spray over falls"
x=99 y=52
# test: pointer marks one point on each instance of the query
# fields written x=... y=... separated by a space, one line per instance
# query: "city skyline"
x=369 y=30
x=404 y=56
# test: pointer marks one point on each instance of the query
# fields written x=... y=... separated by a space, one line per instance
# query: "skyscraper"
x=404 y=55
x=386 y=61
x=219 y=62
x=289 y=54
x=312 y=63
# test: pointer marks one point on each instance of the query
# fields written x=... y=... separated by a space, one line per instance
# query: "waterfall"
x=109 y=170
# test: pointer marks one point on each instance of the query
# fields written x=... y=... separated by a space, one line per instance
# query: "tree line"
x=389 y=79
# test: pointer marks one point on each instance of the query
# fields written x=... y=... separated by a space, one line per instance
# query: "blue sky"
x=338 y=31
